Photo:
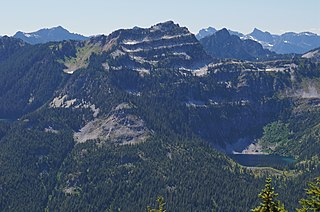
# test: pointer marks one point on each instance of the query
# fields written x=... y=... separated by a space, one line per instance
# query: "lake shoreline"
x=262 y=160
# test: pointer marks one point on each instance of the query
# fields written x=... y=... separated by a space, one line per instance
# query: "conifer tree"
x=268 y=200
x=312 y=203
x=161 y=203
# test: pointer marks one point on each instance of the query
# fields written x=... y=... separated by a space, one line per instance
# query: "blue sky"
x=103 y=16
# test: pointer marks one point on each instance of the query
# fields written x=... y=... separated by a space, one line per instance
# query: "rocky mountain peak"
x=59 y=28
x=143 y=49
x=205 y=32
x=261 y=36
x=223 y=45
x=167 y=41
x=165 y=26
x=256 y=31
x=222 y=34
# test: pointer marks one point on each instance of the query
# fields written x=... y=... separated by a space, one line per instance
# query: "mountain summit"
x=46 y=35
x=205 y=32
x=142 y=49
x=261 y=36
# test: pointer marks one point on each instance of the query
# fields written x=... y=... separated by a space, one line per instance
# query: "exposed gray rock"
x=120 y=127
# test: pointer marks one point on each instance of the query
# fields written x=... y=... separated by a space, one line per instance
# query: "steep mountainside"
x=9 y=46
x=47 y=35
x=29 y=77
x=223 y=45
x=115 y=121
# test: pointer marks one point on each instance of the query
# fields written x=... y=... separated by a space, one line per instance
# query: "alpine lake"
x=262 y=160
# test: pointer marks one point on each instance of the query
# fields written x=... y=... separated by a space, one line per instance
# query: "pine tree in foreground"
x=161 y=203
x=312 y=203
x=269 y=204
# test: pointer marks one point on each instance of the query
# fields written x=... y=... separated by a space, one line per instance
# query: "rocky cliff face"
x=165 y=45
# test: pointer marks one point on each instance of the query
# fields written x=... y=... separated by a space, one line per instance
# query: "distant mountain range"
x=223 y=44
x=47 y=35
x=289 y=42
x=210 y=30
